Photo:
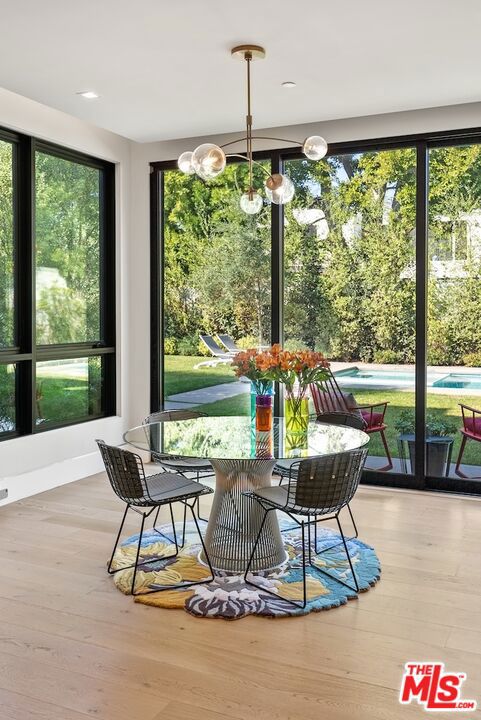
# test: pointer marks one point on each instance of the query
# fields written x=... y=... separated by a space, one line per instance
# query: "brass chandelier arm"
x=254 y=162
x=261 y=137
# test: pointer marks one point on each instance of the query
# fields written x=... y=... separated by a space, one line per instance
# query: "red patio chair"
x=471 y=430
x=329 y=398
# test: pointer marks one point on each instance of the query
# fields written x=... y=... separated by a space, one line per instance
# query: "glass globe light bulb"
x=314 y=147
x=251 y=202
x=279 y=189
x=185 y=163
x=208 y=161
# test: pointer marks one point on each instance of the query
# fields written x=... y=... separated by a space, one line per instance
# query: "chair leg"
x=174 y=533
x=304 y=576
x=302 y=605
x=356 y=532
x=343 y=542
x=181 y=586
x=132 y=591
x=389 y=465
x=347 y=554
x=458 y=461
x=109 y=569
x=316 y=521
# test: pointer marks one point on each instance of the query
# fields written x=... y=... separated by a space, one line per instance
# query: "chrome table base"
x=235 y=519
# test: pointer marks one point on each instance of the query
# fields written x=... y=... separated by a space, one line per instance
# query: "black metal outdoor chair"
x=145 y=494
x=318 y=489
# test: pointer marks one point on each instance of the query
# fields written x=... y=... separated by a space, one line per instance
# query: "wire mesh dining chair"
x=318 y=489
x=202 y=468
x=145 y=494
x=283 y=467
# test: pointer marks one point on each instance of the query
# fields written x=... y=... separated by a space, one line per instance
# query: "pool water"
x=470 y=382
x=405 y=379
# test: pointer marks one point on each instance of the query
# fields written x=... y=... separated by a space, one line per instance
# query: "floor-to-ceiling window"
x=216 y=281
x=375 y=262
x=454 y=304
x=349 y=281
x=7 y=285
x=57 y=287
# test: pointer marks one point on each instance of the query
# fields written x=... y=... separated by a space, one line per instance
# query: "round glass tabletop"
x=235 y=438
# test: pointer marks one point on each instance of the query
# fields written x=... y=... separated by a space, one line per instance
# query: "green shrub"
x=472 y=359
x=436 y=425
x=202 y=349
x=170 y=346
x=248 y=341
x=188 y=345
x=387 y=357
x=293 y=345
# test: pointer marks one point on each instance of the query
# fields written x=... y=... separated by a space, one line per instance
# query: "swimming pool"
x=377 y=377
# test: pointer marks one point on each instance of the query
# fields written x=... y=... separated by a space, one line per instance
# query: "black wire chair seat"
x=165 y=486
x=318 y=488
x=140 y=492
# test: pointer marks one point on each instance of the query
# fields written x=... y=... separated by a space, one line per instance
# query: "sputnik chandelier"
x=209 y=160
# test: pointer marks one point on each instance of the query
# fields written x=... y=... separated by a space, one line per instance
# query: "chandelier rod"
x=248 y=57
x=261 y=137
x=254 y=162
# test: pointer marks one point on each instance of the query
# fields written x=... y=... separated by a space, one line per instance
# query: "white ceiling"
x=163 y=67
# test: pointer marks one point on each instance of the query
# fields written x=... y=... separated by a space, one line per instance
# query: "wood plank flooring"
x=73 y=647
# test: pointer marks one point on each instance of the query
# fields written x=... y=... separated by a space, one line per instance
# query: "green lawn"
x=447 y=406
x=61 y=399
x=180 y=375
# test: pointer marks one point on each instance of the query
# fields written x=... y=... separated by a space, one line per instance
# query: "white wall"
x=362 y=128
x=37 y=462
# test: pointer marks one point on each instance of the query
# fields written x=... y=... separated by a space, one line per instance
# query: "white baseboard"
x=51 y=476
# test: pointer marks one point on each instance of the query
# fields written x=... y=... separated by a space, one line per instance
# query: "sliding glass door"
x=454 y=311
x=350 y=285
x=216 y=282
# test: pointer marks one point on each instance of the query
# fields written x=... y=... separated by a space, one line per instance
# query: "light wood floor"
x=72 y=646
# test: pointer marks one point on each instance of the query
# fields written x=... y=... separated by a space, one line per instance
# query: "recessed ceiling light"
x=89 y=94
x=289 y=84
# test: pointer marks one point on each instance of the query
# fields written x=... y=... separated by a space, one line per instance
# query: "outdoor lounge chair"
x=219 y=355
x=329 y=398
x=229 y=343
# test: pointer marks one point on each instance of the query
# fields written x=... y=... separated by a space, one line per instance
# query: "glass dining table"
x=243 y=460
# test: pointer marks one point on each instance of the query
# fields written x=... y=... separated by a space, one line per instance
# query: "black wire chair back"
x=326 y=484
x=166 y=415
x=125 y=471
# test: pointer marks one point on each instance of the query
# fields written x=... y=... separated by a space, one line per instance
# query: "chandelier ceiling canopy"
x=209 y=160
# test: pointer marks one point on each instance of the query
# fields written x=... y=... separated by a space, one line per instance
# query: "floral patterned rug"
x=228 y=596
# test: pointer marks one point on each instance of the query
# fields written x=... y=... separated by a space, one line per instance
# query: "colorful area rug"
x=228 y=596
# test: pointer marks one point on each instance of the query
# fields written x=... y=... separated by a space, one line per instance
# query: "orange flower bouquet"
x=296 y=371
x=253 y=365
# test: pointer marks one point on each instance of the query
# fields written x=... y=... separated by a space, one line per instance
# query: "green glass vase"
x=296 y=413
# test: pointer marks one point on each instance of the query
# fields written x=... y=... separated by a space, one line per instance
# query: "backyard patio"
x=216 y=391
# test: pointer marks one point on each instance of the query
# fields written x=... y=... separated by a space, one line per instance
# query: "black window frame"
x=422 y=143
x=26 y=353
